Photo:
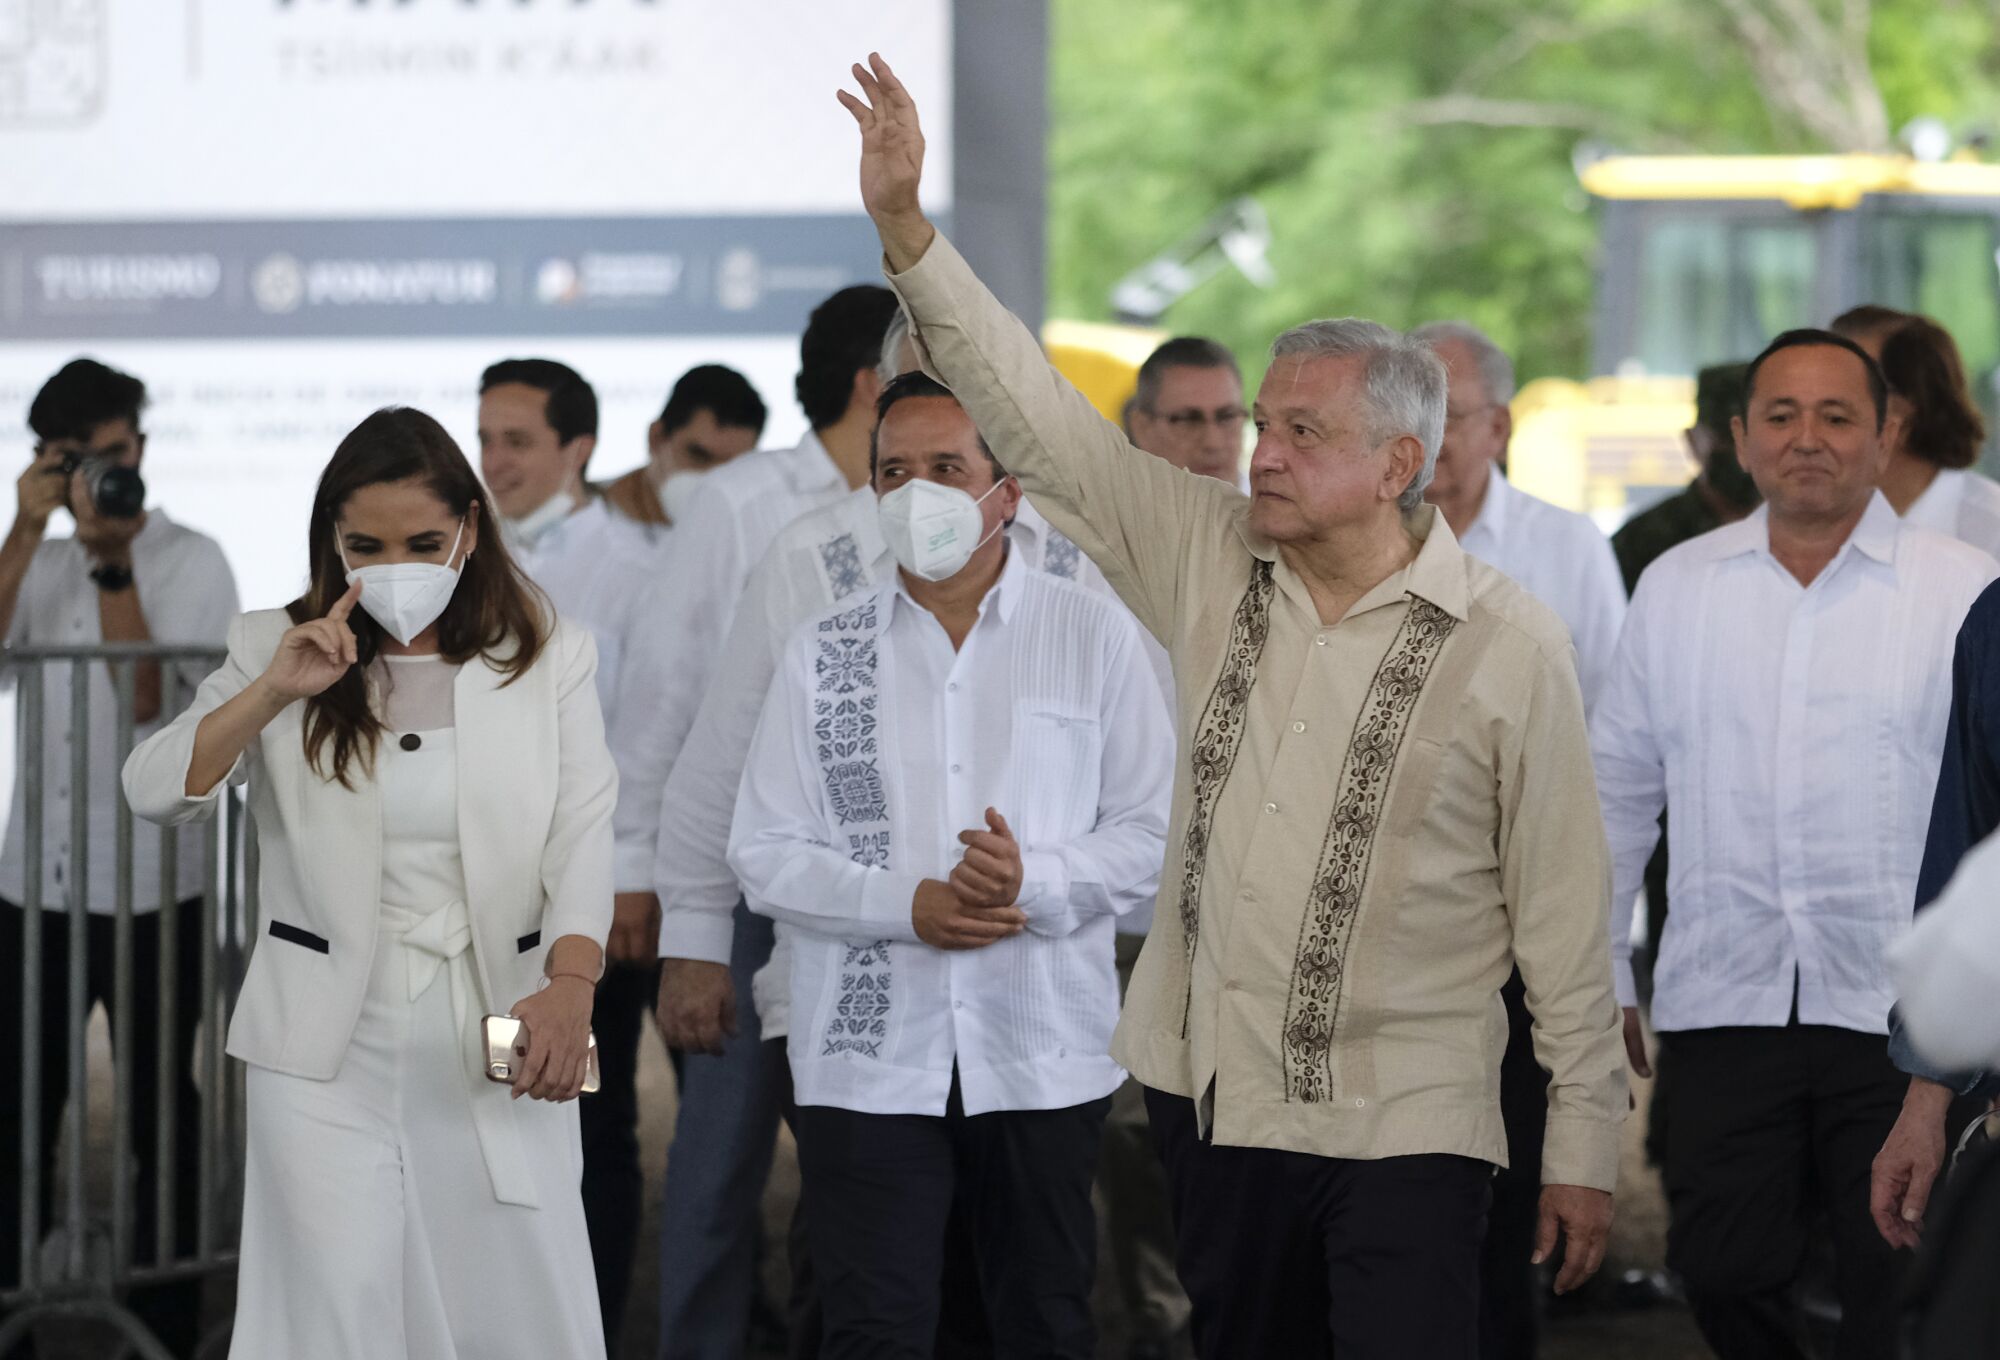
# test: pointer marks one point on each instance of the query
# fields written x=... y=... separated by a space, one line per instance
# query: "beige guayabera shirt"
x=1372 y=820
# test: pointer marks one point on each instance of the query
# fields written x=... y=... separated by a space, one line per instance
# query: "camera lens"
x=118 y=492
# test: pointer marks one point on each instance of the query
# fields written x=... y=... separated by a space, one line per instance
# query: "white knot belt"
x=441 y=942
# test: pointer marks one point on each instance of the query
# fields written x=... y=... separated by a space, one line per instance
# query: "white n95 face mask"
x=406 y=597
x=933 y=530
x=678 y=492
x=524 y=533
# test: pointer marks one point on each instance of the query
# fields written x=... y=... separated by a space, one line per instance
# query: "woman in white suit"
x=433 y=795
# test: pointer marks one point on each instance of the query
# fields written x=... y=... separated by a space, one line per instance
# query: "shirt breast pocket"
x=1058 y=762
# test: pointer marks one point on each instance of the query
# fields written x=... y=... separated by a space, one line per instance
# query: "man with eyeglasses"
x=1563 y=561
x=1189 y=409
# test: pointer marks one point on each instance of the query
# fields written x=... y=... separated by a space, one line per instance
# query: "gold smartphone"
x=507 y=1043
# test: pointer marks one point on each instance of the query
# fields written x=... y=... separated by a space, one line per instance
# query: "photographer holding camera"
x=127 y=575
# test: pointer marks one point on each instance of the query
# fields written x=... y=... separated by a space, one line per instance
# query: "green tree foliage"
x=1416 y=158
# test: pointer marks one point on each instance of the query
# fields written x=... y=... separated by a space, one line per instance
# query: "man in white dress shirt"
x=537 y=430
x=820 y=557
x=709 y=1221
x=1559 y=556
x=1783 y=683
x=958 y=782
x=1563 y=561
x=712 y=416
x=121 y=577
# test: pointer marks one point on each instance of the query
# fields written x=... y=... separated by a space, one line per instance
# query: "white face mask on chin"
x=523 y=533
x=678 y=492
x=933 y=530
x=406 y=597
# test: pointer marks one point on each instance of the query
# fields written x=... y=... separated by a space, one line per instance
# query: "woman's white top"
x=421 y=866
x=1962 y=504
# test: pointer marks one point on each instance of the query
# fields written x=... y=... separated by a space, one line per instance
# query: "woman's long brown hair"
x=1923 y=366
x=495 y=612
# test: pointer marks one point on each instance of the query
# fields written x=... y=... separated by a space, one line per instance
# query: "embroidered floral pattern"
x=1319 y=966
x=845 y=743
x=845 y=664
x=1060 y=557
x=854 y=787
x=842 y=727
x=1215 y=745
x=861 y=1016
x=841 y=559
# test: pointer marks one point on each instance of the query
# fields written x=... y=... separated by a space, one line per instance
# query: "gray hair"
x=890 y=366
x=1404 y=383
x=1496 y=370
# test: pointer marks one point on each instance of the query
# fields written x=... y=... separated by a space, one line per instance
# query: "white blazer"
x=535 y=792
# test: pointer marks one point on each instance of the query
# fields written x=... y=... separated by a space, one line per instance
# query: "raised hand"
x=892 y=160
x=315 y=653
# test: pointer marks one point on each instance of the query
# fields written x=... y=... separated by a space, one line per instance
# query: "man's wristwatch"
x=112 y=577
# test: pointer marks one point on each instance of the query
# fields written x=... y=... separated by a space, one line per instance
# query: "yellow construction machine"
x=1701 y=260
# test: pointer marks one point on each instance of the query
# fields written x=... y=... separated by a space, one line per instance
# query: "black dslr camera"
x=117 y=491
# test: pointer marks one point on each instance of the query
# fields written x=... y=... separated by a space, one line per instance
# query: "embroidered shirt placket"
x=847 y=748
x=1213 y=754
x=1319 y=965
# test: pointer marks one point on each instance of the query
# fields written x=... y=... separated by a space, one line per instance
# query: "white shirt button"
x=1359 y=1103
x=958 y=1005
x=1298 y=727
x=952 y=688
x=954 y=769
x=1320 y=641
x=1270 y=807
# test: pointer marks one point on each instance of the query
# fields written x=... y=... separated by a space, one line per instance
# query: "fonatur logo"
x=52 y=63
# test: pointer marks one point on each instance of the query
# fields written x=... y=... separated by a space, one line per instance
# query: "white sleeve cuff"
x=1045 y=892
x=631 y=868
x=888 y=897
x=1622 y=983
x=694 y=934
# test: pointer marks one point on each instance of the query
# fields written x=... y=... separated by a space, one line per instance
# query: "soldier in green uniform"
x=1720 y=493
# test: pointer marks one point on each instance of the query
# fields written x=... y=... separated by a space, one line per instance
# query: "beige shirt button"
x=1270 y=807
x=1320 y=640
x=1298 y=727
x=1359 y=1103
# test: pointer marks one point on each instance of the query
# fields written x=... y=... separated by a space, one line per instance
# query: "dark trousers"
x=962 y=1330
x=878 y=1194
x=172 y=1311
x=1768 y=1126
x=614 y=1188
x=1509 y=1287
x=1288 y=1254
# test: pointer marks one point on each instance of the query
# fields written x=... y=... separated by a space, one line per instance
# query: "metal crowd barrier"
x=88 y=1270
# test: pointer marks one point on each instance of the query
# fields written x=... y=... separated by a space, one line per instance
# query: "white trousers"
x=370 y=1227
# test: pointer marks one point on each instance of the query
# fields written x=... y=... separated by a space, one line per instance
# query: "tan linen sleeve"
x=1555 y=873
x=1135 y=515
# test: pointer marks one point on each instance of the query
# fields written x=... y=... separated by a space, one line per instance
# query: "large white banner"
x=283 y=214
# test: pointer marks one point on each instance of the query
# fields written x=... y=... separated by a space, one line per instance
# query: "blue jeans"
x=710 y=1216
